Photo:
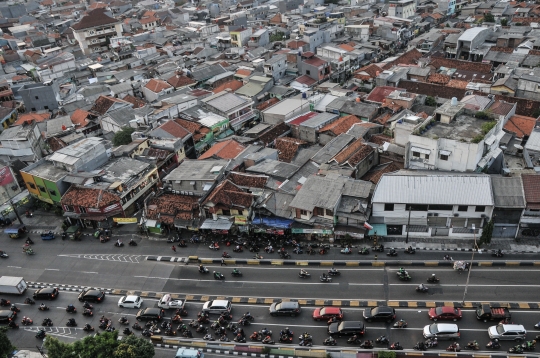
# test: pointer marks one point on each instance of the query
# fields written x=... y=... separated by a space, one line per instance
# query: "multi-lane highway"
x=89 y=263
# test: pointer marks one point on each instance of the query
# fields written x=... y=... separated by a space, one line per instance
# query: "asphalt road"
x=417 y=318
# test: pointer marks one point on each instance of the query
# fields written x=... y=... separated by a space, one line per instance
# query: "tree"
x=6 y=348
x=102 y=345
x=487 y=233
x=488 y=17
x=278 y=36
x=134 y=347
x=504 y=21
x=124 y=136
x=430 y=101
x=57 y=349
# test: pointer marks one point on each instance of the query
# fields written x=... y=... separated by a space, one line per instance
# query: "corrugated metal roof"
x=449 y=189
x=508 y=192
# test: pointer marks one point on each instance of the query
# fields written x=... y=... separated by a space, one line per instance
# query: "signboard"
x=240 y=220
x=312 y=231
x=125 y=220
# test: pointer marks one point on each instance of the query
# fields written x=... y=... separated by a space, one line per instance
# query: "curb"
x=304 y=302
x=220 y=351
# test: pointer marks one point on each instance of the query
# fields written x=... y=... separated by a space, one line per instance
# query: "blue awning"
x=378 y=229
x=272 y=221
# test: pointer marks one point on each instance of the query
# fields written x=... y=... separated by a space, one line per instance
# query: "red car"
x=325 y=313
x=445 y=313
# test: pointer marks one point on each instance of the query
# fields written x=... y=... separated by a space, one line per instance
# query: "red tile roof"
x=168 y=207
x=287 y=148
x=266 y=104
x=408 y=58
x=174 y=129
x=135 y=101
x=197 y=131
x=29 y=117
x=156 y=85
x=89 y=198
x=360 y=155
x=178 y=81
x=438 y=78
x=375 y=174
x=94 y=18
x=296 y=44
x=457 y=84
x=520 y=125
x=380 y=139
x=315 y=61
x=346 y=47
x=372 y=71
x=229 y=195
x=500 y=107
x=104 y=103
x=348 y=151
x=341 y=125
x=248 y=180
x=80 y=117
x=228 y=149
x=379 y=93
x=276 y=131
x=531 y=187
x=243 y=72
x=305 y=80
x=478 y=67
x=301 y=119
x=233 y=85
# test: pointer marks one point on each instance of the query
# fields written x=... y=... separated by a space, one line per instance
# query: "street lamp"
x=470 y=266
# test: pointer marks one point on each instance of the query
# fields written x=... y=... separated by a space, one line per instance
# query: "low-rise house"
x=284 y=110
x=256 y=89
x=420 y=204
x=509 y=206
x=23 y=143
x=529 y=225
x=91 y=204
x=275 y=67
x=238 y=110
x=336 y=128
x=156 y=88
x=229 y=201
x=228 y=149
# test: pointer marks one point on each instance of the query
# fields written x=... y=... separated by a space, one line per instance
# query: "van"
x=217 y=306
x=188 y=353
x=507 y=332
x=442 y=331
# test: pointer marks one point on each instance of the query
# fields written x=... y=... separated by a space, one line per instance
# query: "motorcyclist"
x=87 y=326
x=409 y=249
x=333 y=270
x=401 y=323
x=267 y=339
x=303 y=272
x=402 y=271
x=235 y=271
x=217 y=274
x=247 y=315
x=499 y=252
x=70 y=308
x=368 y=344
x=265 y=332
x=14 y=308
x=286 y=332
x=119 y=242
x=447 y=257
x=472 y=344
x=122 y=320
x=71 y=321
x=87 y=311
x=422 y=287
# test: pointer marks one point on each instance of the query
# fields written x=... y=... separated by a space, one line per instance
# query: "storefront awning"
x=420 y=150
x=219 y=224
x=352 y=231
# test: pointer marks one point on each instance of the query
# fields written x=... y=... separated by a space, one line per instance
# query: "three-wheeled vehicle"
x=16 y=231
x=74 y=232
x=47 y=236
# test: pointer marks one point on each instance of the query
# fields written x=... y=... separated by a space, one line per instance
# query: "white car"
x=130 y=302
x=167 y=302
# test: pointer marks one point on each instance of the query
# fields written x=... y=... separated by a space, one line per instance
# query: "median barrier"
x=315 y=353
x=156 y=339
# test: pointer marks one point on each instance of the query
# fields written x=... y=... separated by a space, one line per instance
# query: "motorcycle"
x=87 y=305
x=529 y=346
x=497 y=253
x=405 y=277
x=29 y=214
x=346 y=251
x=304 y=274
x=71 y=323
x=172 y=239
x=400 y=324
x=29 y=301
x=88 y=312
x=147 y=333
x=420 y=346
x=203 y=269
x=127 y=331
x=516 y=349
x=238 y=249
x=472 y=345
x=71 y=309
x=256 y=336
x=257 y=257
x=119 y=244
x=30 y=242
x=410 y=250
x=43 y=308
x=137 y=326
x=330 y=341
x=248 y=316
x=201 y=329
x=243 y=322
x=378 y=248
x=454 y=347
x=3 y=255
x=333 y=272
x=26 y=321
x=123 y=320
x=29 y=252
x=225 y=255
x=363 y=251
x=382 y=340
x=13 y=325
x=236 y=273
x=353 y=340
x=267 y=340
x=422 y=288
x=4 y=302
x=218 y=276
x=284 y=255
x=88 y=328
x=14 y=308
x=285 y=338
x=366 y=345
x=208 y=337
x=395 y=346
x=297 y=250
x=494 y=344
x=269 y=249
x=392 y=252
x=325 y=278
x=433 y=279
x=214 y=246
x=41 y=334
x=132 y=243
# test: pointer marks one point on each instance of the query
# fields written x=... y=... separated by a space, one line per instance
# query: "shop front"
x=314 y=234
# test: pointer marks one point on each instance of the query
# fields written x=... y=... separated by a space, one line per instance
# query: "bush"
x=387 y=354
x=481 y=115
x=489 y=17
x=478 y=138
x=486 y=127
x=430 y=101
x=504 y=22
x=124 y=136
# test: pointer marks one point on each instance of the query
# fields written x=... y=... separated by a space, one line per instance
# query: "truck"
x=490 y=313
x=12 y=285
x=189 y=353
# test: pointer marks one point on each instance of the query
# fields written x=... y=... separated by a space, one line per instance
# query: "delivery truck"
x=12 y=285
x=491 y=313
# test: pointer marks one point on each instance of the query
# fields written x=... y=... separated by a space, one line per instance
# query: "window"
x=462 y=208
x=426 y=156
x=52 y=192
x=46 y=107
x=68 y=208
x=416 y=207
x=416 y=154
x=82 y=209
x=31 y=185
x=226 y=212
x=480 y=209
x=329 y=212
x=444 y=157
x=388 y=207
x=308 y=72
x=36 y=97
x=303 y=212
x=42 y=189
x=441 y=207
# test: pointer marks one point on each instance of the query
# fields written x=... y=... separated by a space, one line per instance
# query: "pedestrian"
x=173 y=248
x=223 y=262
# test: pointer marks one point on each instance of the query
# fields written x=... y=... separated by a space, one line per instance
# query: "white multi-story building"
x=402 y=8
x=94 y=29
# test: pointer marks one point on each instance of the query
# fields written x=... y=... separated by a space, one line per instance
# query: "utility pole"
x=408 y=225
x=15 y=210
x=470 y=267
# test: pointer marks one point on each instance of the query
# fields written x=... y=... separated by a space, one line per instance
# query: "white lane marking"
x=235 y=281
x=89 y=272
x=15 y=266
x=107 y=257
x=47 y=269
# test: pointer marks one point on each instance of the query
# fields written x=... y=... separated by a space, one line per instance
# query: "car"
x=150 y=314
x=507 y=332
x=92 y=295
x=381 y=313
x=346 y=328
x=167 y=302
x=130 y=302
x=289 y=308
x=46 y=293
x=325 y=313
x=7 y=316
x=445 y=313
x=448 y=331
x=217 y=307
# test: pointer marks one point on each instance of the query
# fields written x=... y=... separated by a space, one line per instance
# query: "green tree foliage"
x=134 y=347
x=123 y=137
x=57 y=349
x=504 y=21
x=277 y=36
x=6 y=348
x=487 y=233
x=386 y=354
x=430 y=101
x=488 y=17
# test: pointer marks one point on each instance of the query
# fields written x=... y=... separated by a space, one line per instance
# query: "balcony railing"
x=243 y=118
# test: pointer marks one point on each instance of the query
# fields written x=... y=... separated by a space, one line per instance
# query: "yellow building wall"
x=30 y=179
